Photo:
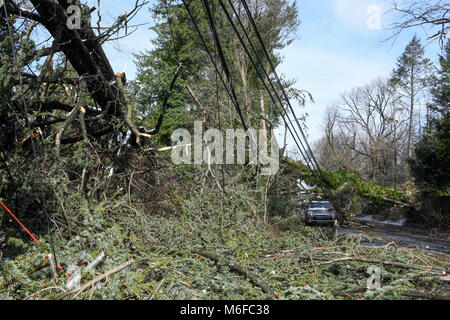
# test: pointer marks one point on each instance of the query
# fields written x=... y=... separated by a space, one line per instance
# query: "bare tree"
x=335 y=149
x=366 y=132
x=433 y=15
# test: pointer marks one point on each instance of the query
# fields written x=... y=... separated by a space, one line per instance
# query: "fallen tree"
x=94 y=94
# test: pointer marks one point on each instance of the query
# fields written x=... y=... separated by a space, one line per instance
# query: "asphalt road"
x=378 y=234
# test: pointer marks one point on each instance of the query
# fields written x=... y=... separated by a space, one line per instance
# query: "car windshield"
x=320 y=205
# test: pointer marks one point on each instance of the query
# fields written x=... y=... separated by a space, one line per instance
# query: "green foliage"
x=192 y=215
x=337 y=180
x=176 y=43
x=156 y=213
x=175 y=118
x=375 y=192
x=441 y=86
x=9 y=125
x=413 y=69
x=282 y=195
x=432 y=152
x=430 y=166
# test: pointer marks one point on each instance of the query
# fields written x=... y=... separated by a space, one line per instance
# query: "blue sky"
x=338 y=47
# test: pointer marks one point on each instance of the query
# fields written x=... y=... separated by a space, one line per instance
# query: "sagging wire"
x=308 y=148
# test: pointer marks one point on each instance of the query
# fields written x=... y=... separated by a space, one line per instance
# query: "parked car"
x=320 y=212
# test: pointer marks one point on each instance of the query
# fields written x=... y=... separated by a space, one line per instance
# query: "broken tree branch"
x=129 y=113
x=397 y=202
x=99 y=278
x=238 y=268
x=167 y=148
x=74 y=282
x=73 y=114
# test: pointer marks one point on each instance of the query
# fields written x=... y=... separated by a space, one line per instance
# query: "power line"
x=222 y=57
x=232 y=95
x=235 y=103
x=252 y=21
x=259 y=74
x=307 y=158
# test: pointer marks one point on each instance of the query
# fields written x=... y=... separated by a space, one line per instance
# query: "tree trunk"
x=411 y=113
x=82 y=49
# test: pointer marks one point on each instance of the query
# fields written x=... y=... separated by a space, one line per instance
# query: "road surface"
x=378 y=234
